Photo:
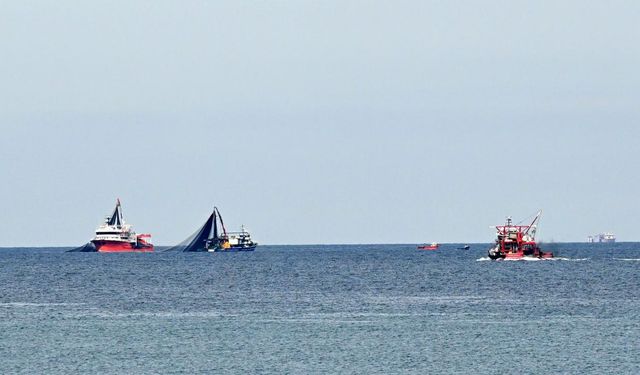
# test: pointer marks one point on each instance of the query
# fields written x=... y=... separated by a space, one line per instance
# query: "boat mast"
x=216 y=211
x=532 y=223
x=214 y=224
x=116 y=218
x=121 y=216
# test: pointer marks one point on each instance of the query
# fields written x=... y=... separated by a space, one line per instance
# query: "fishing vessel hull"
x=427 y=247
x=496 y=254
x=232 y=249
x=121 y=247
x=515 y=256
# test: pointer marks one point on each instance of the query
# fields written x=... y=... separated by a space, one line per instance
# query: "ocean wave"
x=628 y=259
x=313 y=321
x=36 y=304
x=426 y=300
x=354 y=315
x=158 y=314
x=575 y=260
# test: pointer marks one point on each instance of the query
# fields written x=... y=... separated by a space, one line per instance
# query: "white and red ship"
x=517 y=241
x=116 y=236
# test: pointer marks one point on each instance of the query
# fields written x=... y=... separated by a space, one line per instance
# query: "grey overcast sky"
x=319 y=121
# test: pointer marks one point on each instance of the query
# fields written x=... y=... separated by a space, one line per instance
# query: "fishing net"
x=197 y=241
x=89 y=247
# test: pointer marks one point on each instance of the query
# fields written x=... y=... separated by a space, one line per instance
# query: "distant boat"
x=465 y=247
x=608 y=237
x=602 y=237
x=433 y=246
x=213 y=237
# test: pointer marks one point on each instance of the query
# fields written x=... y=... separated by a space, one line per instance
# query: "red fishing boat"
x=517 y=241
x=433 y=246
x=116 y=236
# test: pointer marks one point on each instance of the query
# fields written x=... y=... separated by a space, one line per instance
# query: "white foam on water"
x=33 y=304
x=312 y=321
x=159 y=314
x=575 y=260
x=567 y=259
x=628 y=259
x=355 y=315
x=426 y=300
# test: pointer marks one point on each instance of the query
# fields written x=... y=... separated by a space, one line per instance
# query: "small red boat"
x=517 y=241
x=433 y=246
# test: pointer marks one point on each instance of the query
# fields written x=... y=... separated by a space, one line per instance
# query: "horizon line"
x=333 y=244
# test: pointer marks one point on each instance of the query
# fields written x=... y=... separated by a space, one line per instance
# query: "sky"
x=319 y=122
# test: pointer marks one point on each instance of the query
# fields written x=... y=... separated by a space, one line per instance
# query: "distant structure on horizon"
x=602 y=237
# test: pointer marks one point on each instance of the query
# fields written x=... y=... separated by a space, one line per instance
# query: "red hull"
x=121 y=247
x=427 y=247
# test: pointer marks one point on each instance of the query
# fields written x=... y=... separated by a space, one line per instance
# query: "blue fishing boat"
x=213 y=237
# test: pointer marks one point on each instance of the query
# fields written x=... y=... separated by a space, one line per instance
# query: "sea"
x=323 y=309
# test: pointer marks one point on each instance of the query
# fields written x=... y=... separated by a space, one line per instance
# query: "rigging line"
x=528 y=218
x=538 y=224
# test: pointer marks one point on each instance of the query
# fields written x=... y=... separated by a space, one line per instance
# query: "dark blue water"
x=370 y=309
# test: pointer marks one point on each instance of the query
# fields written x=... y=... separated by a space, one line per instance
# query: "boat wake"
x=570 y=259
